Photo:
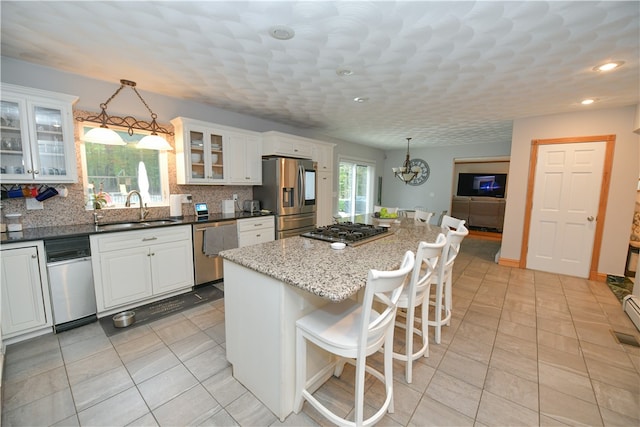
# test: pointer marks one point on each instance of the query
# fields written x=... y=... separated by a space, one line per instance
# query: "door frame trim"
x=610 y=141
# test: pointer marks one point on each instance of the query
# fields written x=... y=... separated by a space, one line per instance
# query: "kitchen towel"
x=213 y=240
x=217 y=239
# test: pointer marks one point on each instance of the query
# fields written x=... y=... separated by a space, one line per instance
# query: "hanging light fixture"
x=104 y=135
x=406 y=172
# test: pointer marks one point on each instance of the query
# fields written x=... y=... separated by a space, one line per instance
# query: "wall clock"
x=423 y=175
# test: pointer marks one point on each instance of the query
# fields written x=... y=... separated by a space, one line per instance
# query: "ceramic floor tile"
x=431 y=413
x=176 y=331
x=470 y=348
x=249 y=411
x=457 y=394
x=101 y=387
x=190 y=408
x=602 y=371
x=163 y=387
x=558 y=358
x=477 y=333
x=151 y=364
x=42 y=412
x=517 y=330
x=192 y=346
x=129 y=334
x=207 y=363
x=617 y=399
x=293 y=420
x=464 y=368
x=516 y=345
x=489 y=321
x=72 y=336
x=566 y=382
x=513 y=388
x=71 y=421
x=612 y=418
x=223 y=419
x=33 y=363
x=568 y=409
x=224 y=387
x=515 y=364
x=85 y=348
x=135 y=348
x=147 y=420
x=562 y=327
x=496 y=410
x=36 y=387
x=205 y=317
x=519 y=318
x=613 y=355
x=119 y=410
x=93 y=366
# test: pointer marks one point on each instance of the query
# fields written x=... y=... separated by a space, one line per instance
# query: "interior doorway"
x=566 y=204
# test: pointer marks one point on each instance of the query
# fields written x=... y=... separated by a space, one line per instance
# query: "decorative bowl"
x=196 y=157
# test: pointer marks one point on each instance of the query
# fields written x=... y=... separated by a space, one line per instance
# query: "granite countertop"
x=313 y=266
x=40 y=233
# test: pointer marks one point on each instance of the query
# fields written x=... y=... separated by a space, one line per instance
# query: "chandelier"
x=406 y=173
x=106 y=136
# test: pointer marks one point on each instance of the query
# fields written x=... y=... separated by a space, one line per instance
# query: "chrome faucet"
x=143 y=210
x=96 y=218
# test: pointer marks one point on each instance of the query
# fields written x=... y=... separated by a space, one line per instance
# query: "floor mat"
x=159 y=309
x=620 y=286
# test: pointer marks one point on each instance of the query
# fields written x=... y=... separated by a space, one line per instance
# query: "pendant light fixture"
x=104 y=135
x=406 y=173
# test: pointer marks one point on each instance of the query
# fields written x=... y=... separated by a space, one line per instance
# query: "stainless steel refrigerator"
x=289 y=191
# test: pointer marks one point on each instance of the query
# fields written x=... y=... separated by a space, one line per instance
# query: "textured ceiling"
x=440 y=72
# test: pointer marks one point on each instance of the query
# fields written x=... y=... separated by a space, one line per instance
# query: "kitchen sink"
x=134 y=224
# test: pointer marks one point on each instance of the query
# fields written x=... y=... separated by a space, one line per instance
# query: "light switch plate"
x=33 y=204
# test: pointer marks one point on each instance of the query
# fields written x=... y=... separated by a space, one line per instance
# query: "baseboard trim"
x=486 y=235
x=509 y=262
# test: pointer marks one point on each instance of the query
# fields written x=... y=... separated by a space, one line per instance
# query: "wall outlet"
x=186 y=198
x=235 y=197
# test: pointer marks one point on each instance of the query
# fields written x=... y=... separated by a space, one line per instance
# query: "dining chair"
x=443 y=293
x=412 y=297
x=449 y=222
x=352 y=331
x=422 y=217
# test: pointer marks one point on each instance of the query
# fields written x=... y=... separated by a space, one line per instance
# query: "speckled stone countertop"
x=41 y=233
x=333 y=274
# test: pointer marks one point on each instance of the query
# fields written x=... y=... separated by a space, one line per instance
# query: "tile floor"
x=523 y=348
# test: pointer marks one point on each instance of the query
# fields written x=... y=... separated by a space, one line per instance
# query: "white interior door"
x=566 y=194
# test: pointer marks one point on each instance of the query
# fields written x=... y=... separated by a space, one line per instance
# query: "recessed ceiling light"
x=344 y=72
x=609 y=66
x=360 y=99
x=588 y=101
x=281 y=32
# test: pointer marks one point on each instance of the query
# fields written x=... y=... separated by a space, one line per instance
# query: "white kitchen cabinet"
x=26 y=305
x=211 y=154
x=324 y=201
x=323 y=155
x=245 y=159
x=282 y=144
x=136 y=267
x=37 y=140
x=252 y=231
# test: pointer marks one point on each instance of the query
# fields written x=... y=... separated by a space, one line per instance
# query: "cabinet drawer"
x=255 y=224
x=132 y=239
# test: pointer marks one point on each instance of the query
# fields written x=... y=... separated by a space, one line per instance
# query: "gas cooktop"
x=352 y=234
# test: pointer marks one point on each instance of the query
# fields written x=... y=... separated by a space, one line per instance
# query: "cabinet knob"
x=34 y=256
x=590 y=218
x=36 y=172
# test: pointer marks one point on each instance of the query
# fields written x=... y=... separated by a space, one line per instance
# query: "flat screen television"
x=482 y=184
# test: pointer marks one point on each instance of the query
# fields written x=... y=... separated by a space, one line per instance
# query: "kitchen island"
x=271 y=285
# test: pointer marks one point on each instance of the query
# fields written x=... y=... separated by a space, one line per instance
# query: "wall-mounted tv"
x=482 y=184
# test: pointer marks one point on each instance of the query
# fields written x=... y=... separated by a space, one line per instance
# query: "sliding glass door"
x=355 y=192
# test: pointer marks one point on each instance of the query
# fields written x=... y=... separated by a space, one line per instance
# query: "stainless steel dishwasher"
x=73 y=297
x=207 y=268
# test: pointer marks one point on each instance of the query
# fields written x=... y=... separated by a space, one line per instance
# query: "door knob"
x=590 y=218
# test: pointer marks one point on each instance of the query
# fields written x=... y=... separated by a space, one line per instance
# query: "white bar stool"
x=421 y=217
x=414 y=295
x=442 y=302
x=351 y=330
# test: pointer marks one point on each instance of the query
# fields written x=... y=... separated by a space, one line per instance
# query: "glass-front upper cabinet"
x=200 y=152
x=36 y=136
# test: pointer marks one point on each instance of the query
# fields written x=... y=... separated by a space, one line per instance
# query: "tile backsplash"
x=71 y=209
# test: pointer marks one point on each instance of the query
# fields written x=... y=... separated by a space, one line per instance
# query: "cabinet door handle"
x=147 y=239
x=257 y=225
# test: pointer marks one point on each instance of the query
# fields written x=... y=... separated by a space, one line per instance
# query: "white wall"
x=624 y=176
x=435 y=194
